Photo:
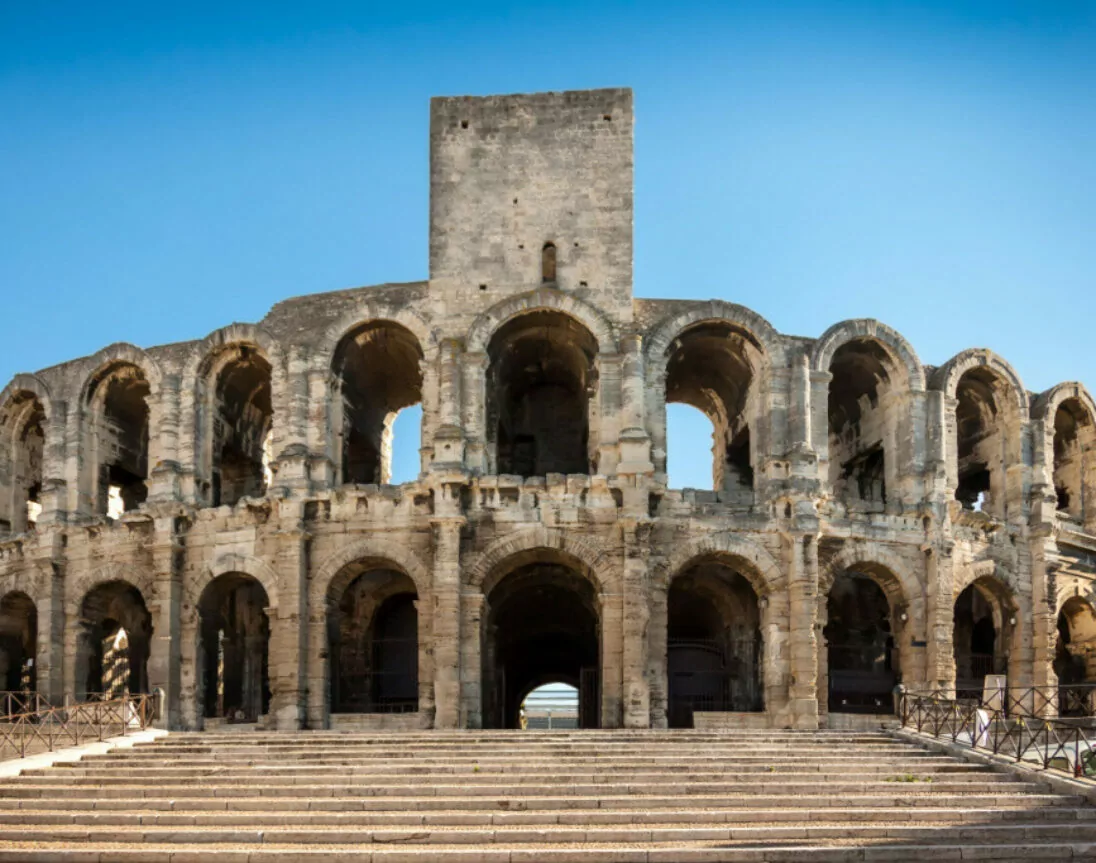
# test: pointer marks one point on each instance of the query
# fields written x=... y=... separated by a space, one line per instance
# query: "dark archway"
x=861 y=432
x=18 y=642
x=373 y=643
x=983 y=613
x=861 y=656
x=1074 y=459
x=712 y=367
x=541 y=378
x=113 y=648
x=1075 y=657
x=22 y=453
x=243 y=417
x=713 y=643
x=541 y=625
x=378 y=369
x=118 y=439
x=234 y=648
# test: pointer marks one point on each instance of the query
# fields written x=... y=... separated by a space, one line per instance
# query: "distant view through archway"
x=550 y=706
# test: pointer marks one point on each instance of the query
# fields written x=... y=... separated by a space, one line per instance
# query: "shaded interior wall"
x=540 y=625
x=713 y=643
x=108 y=607
x=378 y=373
x=119 y=431
x=979 y=645
x=862 y=658
x=373 y=645
x=1075 y=656
x=862 y=430
x=1074 y=457
x=22 y=448
x=541 y=386
x=234 y=648
x=712 y=367
x=242 y=417
x=18 y=642
x=983 y=432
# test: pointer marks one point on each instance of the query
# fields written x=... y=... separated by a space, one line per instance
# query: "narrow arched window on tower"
x=548 y=263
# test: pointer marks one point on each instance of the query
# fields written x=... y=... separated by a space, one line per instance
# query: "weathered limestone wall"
x=611 y=538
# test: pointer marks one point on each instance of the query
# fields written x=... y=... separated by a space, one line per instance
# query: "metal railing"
x=50 y=728
x=1047 y=742
x=16 y=702
x=1073 y=700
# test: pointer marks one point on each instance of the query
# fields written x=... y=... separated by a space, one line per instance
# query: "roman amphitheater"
x=214 y=519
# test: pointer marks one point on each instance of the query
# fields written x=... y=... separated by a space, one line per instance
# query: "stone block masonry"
x=215 y=518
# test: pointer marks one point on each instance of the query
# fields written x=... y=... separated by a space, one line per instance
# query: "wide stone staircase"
x=521 y=797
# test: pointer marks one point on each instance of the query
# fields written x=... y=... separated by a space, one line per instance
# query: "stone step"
x=269 y=779
x=873 y=852
x=594 y=817
x=30 y=787
x=992 y=834
x=556 y=802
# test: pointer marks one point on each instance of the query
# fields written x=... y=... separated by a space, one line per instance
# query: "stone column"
x=939 y=581
x=55 y=487
x=290 y=429
x=50 y=606
x=474 y=369
x=635 y=445
x=471 y=659
x=321 y=439
x=448 y=437
x=289 y=622
x=637 y=701
x=802 y=557
x=163 y=459
x=1044 y=613
x=800 y=421
x=657 y=673
x=164 y=655
x=446 y=617
x=612 y=658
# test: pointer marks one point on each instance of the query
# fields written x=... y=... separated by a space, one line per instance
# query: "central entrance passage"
x=541 y=626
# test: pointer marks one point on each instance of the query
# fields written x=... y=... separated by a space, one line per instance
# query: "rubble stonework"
x=213 y=518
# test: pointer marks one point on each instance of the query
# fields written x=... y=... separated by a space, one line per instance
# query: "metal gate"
x=714 y=675
x=589 y=699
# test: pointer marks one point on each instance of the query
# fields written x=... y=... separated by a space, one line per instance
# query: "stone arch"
x=987 y=571
x=666 y=330
x=542 y=299
x=372 y=313
x=200 y=373
x=79 y=587
x=766 y=576
x=372 y=548
x=1044 y=405
x=893 y=343
x=29 y=383
x=21 y=459
x=232 y=562
x=22 y=580
x=946 y=378
x=886 y=568
x=595 y=561
x=117 y=354
x=1078 y=475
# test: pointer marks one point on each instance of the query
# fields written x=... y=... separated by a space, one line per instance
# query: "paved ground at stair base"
x=597 y=797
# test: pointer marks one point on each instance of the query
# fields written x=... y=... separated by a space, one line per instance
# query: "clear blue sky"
x=168 y=168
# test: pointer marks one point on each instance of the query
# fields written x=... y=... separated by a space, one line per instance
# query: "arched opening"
x=1075 y=657
x=862 y=430
x=117 y=445
x=548 y=263
x=983 y=442
x=541 y=379
x=234 y=648
x=712 y=367
x=114 y=642
x=1074 y=452
x=861 y=656
x=982 y=622
x=541 y=625
x=373 y=641
x=378 y=369
x=18 y=642
x=549 y=707
x=713 y=643
x=239 y=431
x=22 y=449
x=688 y=464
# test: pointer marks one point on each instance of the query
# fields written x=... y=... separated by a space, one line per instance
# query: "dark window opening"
x=862 y=661
x=22 y=449
x=867 y=471
x=980 y=439
x=241 y=431
x=978 y=649
x=974 y=485
x=118 y=399
x=18 y=642
x=1074 y=458
x=548 y=263
x=234 y=649
x=540 y=381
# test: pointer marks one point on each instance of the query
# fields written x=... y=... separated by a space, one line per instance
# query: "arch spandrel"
x=252 y=335
x=661 y=335
x=371 y=314
x=494 y=562
x=946 y=378
x=901 y=352
x=893 y=573
x=25 y=382
x=374 y=549
x=762 y=571
x=991 y=575
x=232 y=562
x=542 y=299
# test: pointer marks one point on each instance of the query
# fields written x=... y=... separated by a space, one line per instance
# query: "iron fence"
x=1047 y=742
x=15 y=702
x=50 y=728
x=1073 y=700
